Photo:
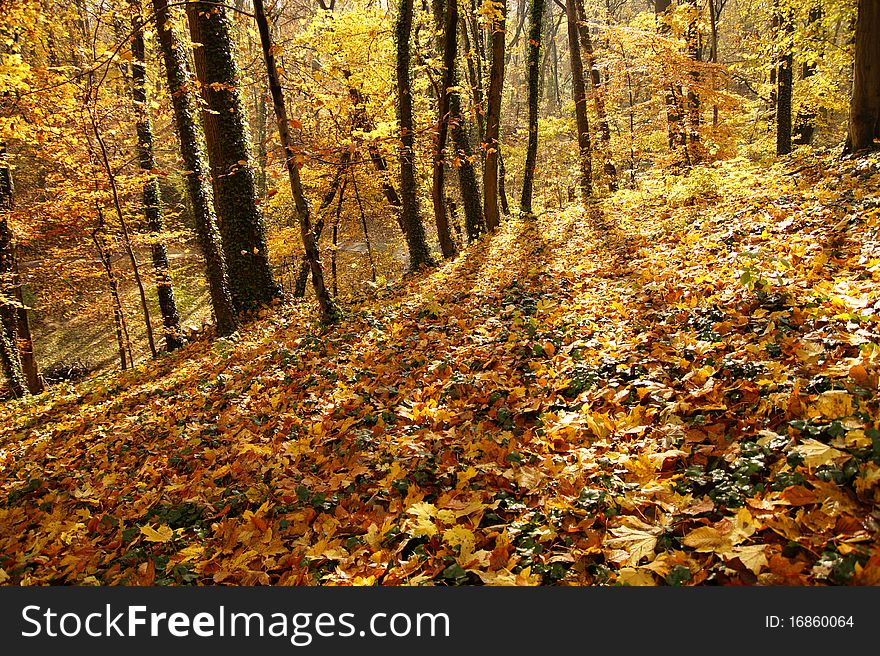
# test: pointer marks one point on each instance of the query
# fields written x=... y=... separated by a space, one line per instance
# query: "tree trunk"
x=783 y=28
x=864 y=109
x=536 y=15
x=126 y=236
x=447 y=45
x=18 y=360
x=579 y=96
x=242 y=229
x=34 y=379
x=475 y=78
x=180 y=84
x=419 y=255
x=341 y=170
x=596 y=93
x=693 y=40
x=9 y=352
x=493 y=121
x=463 y=161
x=122 y=341
x=713 y=54
x=151 y=197
x=329 y=311
x=805 y=121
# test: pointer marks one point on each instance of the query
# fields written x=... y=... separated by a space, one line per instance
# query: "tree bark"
x=9 y=351
x=151 y=197
x=463 y=161
x=447 y=46
x=126 y=235
x=805 y=121
x=579 y=95
x=493 y=121
x=784 y=65
x=419 y=255
x=329 y=311
x=242 y=229
x=536 y=16
x=18 y=360
x=864 y=112
x=693 y=40
x=122 y=342
x=589 y=57
x=180 y=83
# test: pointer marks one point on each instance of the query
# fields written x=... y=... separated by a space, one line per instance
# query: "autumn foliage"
x=676 y=386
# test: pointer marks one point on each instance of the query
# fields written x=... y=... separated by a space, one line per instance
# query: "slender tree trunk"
x=693 y=40
x=589 y=57
x=35 y=382
x=363 y=218
x=447 y=45
x=419 y=255
x=713 y=55
x=784 y=78
x=329 y=311
x=151 y=197
x=475 y=78
x=104 y=255
x=579 y=96
x=493 y=121
x=338 y=177
x=333 y=251
x=242 y=228
x=864 y=109
x=126 y=236
x=180 y=84
x=463 y=161
x=536 y=15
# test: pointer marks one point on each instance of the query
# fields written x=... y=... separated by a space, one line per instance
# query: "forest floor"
x=677 y=387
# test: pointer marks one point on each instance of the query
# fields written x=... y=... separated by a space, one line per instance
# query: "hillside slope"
x=678 y=387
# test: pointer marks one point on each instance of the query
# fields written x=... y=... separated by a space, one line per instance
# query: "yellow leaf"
x=163 y=534
x=751 y=556
x=459 y=536
x=636 y=538
x=743 y=526
x=706 y=539
x=816 y=454
x=635 y=577
x=834 y=404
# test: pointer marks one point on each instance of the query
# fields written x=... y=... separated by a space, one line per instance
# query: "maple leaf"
x=162 y=534
x=635 y=539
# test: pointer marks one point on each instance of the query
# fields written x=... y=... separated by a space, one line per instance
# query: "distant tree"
x=783 y=28
x=864 y=112
x=180 y=85
x=536 y=15
x=579 y=95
